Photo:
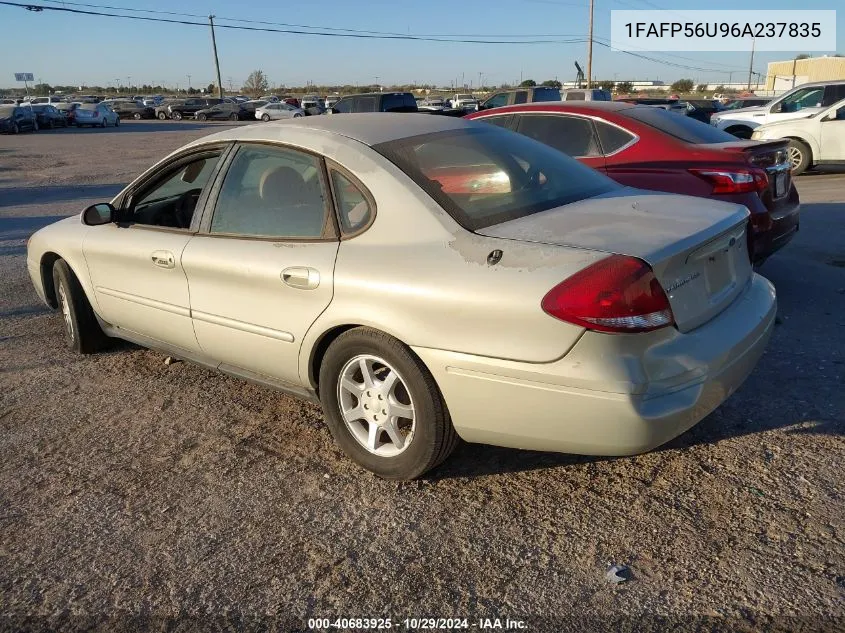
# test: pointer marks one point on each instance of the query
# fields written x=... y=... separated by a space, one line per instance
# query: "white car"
x=799 y=102
x=278 y=110
x=464 y=101
x=424 y=278
x=816 y=139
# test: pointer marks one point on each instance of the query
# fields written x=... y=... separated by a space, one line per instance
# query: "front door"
x=262 y=268
x=136 y=265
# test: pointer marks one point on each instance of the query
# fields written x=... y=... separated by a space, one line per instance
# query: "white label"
x=679 y=30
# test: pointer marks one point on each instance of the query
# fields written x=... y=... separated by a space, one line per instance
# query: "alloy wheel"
x=795 y=156
x=376 y=406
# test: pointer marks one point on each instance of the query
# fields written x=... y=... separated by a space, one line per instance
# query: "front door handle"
x=301 y=277
x=164 y=259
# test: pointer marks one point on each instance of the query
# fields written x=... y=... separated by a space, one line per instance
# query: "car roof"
x=606 y=106
x=370 y=128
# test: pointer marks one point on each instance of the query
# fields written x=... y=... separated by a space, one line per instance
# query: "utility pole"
x=189 y=83
x=216 y=60
x=590 y=49
x=751 y=65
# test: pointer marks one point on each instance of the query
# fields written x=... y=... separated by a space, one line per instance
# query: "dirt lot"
x=135 y=491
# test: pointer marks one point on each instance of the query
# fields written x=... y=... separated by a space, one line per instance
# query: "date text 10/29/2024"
x=416 y=624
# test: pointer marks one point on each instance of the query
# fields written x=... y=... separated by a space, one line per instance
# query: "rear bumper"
x=611 y=394
x=785 y=222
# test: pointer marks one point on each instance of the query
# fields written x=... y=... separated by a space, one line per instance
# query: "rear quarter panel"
x=417 y=275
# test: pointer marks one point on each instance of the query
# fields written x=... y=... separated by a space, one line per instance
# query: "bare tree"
x=256 y=84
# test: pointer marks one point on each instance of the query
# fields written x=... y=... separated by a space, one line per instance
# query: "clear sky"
x=61 y=48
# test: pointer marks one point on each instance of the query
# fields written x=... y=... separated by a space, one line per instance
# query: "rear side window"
x=520 y=97
x=546 y=94
x=366 y=104
x=571 y=135
x=352 y=205
x=601 y=95
x=575 y=96
x=684 y=128
x=611 y=137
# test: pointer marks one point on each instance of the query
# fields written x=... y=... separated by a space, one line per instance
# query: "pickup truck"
x=520 y=95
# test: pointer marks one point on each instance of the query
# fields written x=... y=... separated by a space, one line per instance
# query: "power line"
x=305 y=26
x=41 y=7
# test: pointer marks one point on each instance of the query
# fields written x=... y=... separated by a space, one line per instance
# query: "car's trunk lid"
x=697 y=247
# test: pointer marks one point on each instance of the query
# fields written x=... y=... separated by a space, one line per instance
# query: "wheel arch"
x=48 y=261
x=810 y=145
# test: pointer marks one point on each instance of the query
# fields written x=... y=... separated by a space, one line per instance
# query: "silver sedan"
x=95 y=115
x=278 y=110
x=423 y=278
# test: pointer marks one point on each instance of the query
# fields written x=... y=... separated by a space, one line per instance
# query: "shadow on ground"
x=23 y=196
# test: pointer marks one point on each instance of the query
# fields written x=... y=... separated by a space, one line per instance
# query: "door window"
x=352 y=205
x=833 y=93
x=520 y=97
x=575 y=96
x=366 y=104
x=570 y=135
x=171 y=200
x=804 y=98
x=272 y=192
x=497 y=101
x=343 y=106
x=502 y=120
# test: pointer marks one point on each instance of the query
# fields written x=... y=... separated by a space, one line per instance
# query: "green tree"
x=528 y=83
x=624 y=87
x=607 y=85
x=256 y=84
x=802 y=56
x=552 y=83
x=683 y=85
x=42 y=89
x=210 y=88
x=701 y=88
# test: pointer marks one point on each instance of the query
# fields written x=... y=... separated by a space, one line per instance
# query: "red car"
x=650 y=148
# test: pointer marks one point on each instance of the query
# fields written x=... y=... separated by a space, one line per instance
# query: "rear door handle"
x=301 y=277
x=164 y=259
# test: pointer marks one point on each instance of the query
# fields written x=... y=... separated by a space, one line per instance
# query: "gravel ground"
x=135 y=494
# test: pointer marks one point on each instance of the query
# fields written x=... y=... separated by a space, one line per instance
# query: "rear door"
x=573 y=135
x=262 y=268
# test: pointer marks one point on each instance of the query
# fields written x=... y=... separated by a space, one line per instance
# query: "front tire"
x=383 y=406
x=162 y=116
x=177 y=116
x=233 y=117
x=800 y=156
x=201 y=117
x=82 y=332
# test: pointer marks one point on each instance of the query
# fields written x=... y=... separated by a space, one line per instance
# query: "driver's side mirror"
x=98 y=214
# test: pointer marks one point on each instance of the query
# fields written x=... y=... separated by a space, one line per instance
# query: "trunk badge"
x=682 y=281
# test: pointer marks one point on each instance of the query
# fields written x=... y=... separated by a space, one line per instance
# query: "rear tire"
x=15 y=128
x=104 y=123
x=117 y=122
x=800 y=156
x=82 y=332
x=162 y=116
x=137 y=116
x=201 y=117
x=429 y=437
x=177 y=116
x=265 y=117
x=233 y=117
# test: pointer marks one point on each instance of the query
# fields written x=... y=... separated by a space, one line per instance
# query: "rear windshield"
x=546 y=94
x=486 y=176
x=679 y=125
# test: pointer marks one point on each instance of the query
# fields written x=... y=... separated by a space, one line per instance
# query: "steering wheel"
x=532 y=180
x=183 y=208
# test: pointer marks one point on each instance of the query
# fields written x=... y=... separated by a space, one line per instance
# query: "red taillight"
x=616 y=294
x=734 y=180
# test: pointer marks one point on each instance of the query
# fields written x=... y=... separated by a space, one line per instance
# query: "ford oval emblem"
x=732 y=242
